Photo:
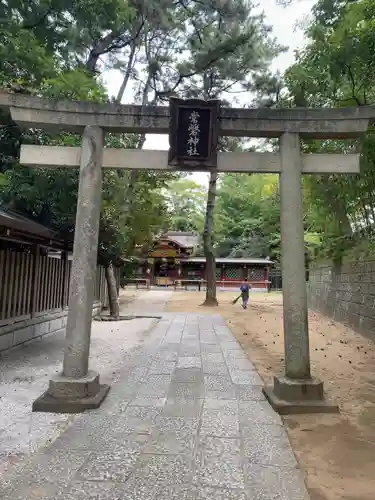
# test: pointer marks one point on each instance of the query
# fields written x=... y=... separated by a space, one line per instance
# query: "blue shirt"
x=245 y=288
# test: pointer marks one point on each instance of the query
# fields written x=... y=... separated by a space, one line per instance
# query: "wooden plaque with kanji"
x=193 y=133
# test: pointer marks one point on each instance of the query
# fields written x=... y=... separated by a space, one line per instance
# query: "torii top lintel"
x=74 y=116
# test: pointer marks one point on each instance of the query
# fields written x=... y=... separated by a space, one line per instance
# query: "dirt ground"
x=337 y=452
x=127 y=296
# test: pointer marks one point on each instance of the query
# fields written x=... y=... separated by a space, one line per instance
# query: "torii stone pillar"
x=77 y=388
x=295 y=391
x=296 y=331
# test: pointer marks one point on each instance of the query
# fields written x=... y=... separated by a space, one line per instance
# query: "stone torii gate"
x=77 y=388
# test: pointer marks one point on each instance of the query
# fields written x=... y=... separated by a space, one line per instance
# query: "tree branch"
x=352 y=82
x=108 y=44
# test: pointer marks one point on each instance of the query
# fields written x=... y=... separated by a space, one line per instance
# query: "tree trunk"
x=339 y=210
x=114 y=308
x=114 y=305
x=134 y=173
x=98 y=50
x=103 y=46
x=211 y=299
x=338 y=207
x=128 y=71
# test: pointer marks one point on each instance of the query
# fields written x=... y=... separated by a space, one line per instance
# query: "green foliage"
x=57 y=49
x=247 y=216
x=42 y=47
x=186 y=203
x=336 y=69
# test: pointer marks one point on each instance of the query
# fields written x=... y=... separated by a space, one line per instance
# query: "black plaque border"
x=213 y=105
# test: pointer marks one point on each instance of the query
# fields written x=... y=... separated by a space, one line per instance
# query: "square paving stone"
x=212 y=357
x=163 y=470
x=191 y=339
x=78 y=438
x=208 y=338
x=240 y=364
x=211 y=368
x=162 y=367
x=183 y=492
x=188 y=375
x=137 y=419
x=115 y=406
x=142 y=412
x=174 y=334
x=126 y=443
x=226 y=405
x=104 y=467
x=215 y=423
x=225 y=338
x=225 y=395
x=281 y=483
x=46 y=491
x=148 y=401
x=171 y=442
x=185 y=390
x=243 y=377
x=268 y=445
x=218 y=383
x=90 y=490
x=119 y=435
x=230 y=346
x=136 y=375
x=169 y=346
x=180 y=424
x=215 y=472
x=189 y=362
x=189 y=352
x=53 y=469
x=223 y=329
x=261 y=412
x=155 y=385
x=209 y=446
x=230 y=355
x=187 y=408
x=136 y=489
x=249 y=392
x=165 y=355
x=219 y=462
x=211 y=348
x=207 y=493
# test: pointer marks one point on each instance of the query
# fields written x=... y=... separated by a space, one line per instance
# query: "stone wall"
x=345 y=292
x=23 y=331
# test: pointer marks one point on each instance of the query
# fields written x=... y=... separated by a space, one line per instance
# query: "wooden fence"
x=32 y=284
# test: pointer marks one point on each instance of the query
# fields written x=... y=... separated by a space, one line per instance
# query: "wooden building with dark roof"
x=172 y=258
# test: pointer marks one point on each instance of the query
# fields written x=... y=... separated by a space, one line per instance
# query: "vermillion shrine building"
x=171 y=259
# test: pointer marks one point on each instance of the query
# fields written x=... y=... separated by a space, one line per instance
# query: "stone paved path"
x=185 y=420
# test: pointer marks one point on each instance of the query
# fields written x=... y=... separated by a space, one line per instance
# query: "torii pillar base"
x=71 y=395
x=294 y=396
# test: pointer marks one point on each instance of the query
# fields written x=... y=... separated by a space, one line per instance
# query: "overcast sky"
x=283 y=21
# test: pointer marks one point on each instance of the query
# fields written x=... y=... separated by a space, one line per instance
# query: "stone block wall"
x=23 y=331
x=345 y=292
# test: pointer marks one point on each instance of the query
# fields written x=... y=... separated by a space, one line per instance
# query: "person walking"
x=245 y=292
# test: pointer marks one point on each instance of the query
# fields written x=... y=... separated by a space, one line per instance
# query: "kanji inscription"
x=193 y=133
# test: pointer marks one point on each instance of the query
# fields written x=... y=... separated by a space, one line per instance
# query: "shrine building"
x=172 y=258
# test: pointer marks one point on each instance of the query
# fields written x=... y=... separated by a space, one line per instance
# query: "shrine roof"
x=231 y=260
x=16 y=227
x=183 y=239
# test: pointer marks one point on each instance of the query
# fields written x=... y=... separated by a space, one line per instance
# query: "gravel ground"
x=25 y=372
